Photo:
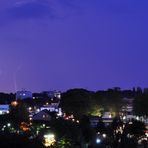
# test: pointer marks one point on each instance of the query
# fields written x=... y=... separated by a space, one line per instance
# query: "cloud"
x=37 y=9
x=34 y=9
x=61 y=9
x=30 y=9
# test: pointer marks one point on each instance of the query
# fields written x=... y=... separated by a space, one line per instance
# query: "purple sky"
x=62 y=44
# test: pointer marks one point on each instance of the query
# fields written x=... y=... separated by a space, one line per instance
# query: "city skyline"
x=63 y=44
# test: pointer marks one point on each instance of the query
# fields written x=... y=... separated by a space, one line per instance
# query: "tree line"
x=83 y=102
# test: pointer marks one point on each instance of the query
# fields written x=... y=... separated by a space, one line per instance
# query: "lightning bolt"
x=18 y=68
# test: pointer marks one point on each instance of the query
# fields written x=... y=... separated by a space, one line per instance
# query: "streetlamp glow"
x=49 y=140
x=104 y=135
x=98 y=141
x=8 y=124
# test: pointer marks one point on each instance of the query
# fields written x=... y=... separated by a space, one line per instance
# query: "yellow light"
x=49 y=136
x=49 y=140
x=14 y=103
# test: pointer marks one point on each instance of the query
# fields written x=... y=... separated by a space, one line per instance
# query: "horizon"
x=62 y=91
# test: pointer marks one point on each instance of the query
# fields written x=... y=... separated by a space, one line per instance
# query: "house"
x=43 y=115
x=4 y=109
x=94 y=120
x=53 y=107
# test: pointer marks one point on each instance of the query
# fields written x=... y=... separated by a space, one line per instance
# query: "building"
x=23 y=95
x=127 y=109
x=53 y=94
x=43 y=115
x=53 y=107
x=4 y=109
x=94 y=120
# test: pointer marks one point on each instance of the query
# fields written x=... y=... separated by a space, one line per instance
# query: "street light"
x=8 y=124
x=49 y=140
x=98 y=140
x=104 y=135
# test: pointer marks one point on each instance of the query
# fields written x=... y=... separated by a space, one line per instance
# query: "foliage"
x=137 y=128
x=6 y=98
x=19 y=113
x=82 y=102
x=18 y=141
x=87 y=131
x=63 y=143
x=113 y=101
x=101 y=126
x=140 y=105
x=67 y=129
x=77 y=102
x=97 y=110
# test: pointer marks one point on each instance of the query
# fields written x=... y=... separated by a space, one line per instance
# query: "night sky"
x=63 y=44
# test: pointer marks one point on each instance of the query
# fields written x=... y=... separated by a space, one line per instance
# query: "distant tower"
x=23 y=95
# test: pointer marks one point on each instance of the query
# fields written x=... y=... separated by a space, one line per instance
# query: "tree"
x=131 y=133
x=87 y=131
x=101 y=126
x=140 y=105
x=65 y=129
x=77 y=102
x=114 y=101
x=63 y=143
x=18 y=141
x=6 y=98
x=109 y=100
x=137 y=129
x=19 y=113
